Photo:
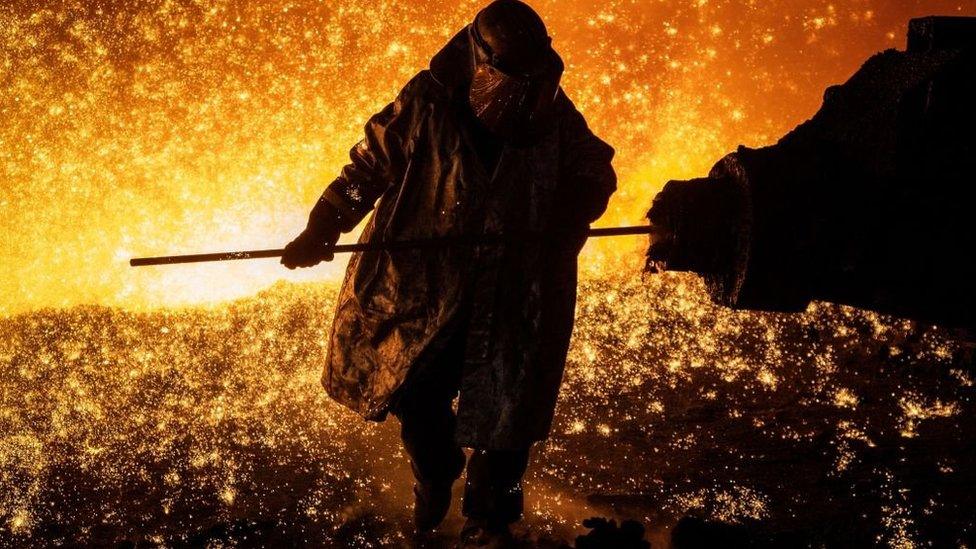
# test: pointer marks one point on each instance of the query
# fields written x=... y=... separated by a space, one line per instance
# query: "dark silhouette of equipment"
x=870 y=203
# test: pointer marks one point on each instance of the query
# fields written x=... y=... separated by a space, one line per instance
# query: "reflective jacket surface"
x=396 y=309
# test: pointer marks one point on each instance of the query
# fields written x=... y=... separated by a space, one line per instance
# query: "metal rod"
x=370 y=246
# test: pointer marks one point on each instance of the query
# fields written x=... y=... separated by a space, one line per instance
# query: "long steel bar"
x=370 y=246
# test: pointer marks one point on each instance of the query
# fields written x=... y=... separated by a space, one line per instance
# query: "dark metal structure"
x=871 y=203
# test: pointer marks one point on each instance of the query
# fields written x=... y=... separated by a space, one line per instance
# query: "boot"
x=482 y=534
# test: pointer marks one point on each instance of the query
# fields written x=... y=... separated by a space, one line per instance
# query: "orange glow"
x=188 y=126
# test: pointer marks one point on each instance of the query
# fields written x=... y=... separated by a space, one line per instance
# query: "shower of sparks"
x=177 y=126
x=188 y=425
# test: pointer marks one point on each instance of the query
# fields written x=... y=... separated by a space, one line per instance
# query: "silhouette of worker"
x=484 y=142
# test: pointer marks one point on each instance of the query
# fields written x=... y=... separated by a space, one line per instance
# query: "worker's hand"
x=317 y=241
x=309 y=249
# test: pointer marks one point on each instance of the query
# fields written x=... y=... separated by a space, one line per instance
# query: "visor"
x=509 y=102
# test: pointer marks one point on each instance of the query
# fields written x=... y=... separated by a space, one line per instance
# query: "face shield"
x=512 y=102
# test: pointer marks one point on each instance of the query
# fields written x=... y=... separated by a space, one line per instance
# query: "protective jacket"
x=516 y=301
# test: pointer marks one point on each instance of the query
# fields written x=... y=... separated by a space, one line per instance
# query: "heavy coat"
x=397 y=308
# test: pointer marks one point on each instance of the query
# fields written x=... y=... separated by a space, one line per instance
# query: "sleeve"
x=377 y=162
x=587 y=178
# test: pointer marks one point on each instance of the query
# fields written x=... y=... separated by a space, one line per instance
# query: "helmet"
x=515 y=71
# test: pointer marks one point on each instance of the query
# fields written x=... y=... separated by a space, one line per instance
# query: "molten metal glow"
x=180 y=126
x=184 y=126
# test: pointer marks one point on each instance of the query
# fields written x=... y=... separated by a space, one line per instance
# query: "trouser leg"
x=427 y=431
x=427 y=419
x=493 y=492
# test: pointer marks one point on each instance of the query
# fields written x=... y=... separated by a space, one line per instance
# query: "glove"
x=316 y=242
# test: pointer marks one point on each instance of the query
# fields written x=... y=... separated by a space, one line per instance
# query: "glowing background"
x=183 y=126
x=180 y=127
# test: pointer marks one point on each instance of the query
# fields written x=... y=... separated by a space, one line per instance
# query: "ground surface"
x=208 y=426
